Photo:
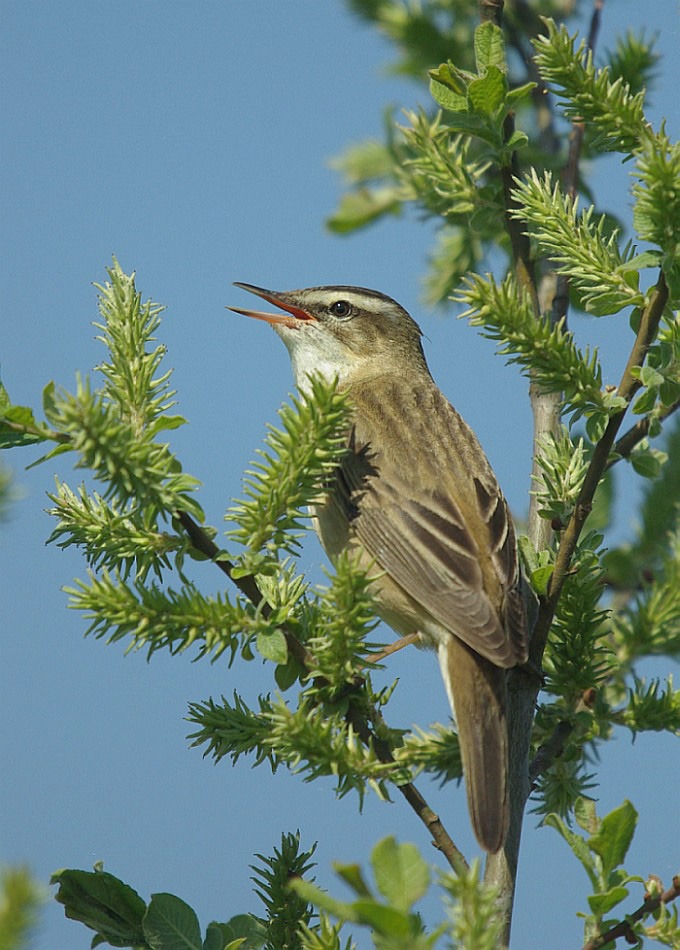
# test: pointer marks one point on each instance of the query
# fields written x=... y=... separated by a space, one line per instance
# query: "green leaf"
x=613 y=838
x=489 y=47
x=271 y=645
x=487 y=94
x=452 y=78
x=164 y=423
x=601 y=904
x=540 y=578
x=516 y=95
x=214 y=938
x=321 y=899
x=362 y=207
x=49 y=400
x=287 y=674
x=640 y=261
x=387 y=921
x=445 y=97
x=170 y=924
x=19 y=416
x=585 y=815
x=244 y=927
x=104 y=904
x=647 y=462
x=517 y=140
x=577 y=844
x=472 y=124
x=352 y=876
x=645 y=402
x=400 y=873
x=650 y=376
x=59 y=449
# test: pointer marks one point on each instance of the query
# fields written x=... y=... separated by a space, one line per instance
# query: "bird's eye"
x=341 y=308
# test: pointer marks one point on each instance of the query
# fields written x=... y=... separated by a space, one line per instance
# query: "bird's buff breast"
x=391 y=603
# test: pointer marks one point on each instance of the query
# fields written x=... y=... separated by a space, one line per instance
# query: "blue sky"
x=193 y=142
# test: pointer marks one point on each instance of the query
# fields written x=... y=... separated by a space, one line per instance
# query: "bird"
x=415 y=499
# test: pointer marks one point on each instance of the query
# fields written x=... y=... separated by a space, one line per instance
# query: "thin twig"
x=206 y=546
x=630 y=439
x=40 y=432
x=550 y=750
x=520 y=20
x=491 y=11
x=624 y=928
x=443 y=841
x=628 y=386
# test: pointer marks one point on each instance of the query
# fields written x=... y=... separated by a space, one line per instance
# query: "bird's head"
x=346 y=332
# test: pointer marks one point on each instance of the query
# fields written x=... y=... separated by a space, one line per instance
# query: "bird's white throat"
x=315 y=351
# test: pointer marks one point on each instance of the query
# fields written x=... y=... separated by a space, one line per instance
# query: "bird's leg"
x=394 y=647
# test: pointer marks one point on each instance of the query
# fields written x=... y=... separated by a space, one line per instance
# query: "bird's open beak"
x=290 y=318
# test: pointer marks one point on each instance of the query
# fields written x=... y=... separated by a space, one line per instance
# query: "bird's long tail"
x=477 y=691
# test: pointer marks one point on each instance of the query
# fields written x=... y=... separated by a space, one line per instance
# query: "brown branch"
x=624 y=928
x=491 y=11
x=546 y=406
x=40 y=432
x=501 y=868
x=627 y=388
x=550 y=750
x=442 y=840
x=524 y=267
x=522 y=21
x=630 y=439
x=206 y=546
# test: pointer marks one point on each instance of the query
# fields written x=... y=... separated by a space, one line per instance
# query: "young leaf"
x=20 y=417
x=612 y=840
x=170 y=924
x=489 y=48
x=271 y=645
x=104 y=904
x=577 y=845
x=487 y=94
x=601 y=904
x=400 y=873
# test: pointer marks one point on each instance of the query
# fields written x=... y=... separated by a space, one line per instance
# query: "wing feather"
x=442 y=531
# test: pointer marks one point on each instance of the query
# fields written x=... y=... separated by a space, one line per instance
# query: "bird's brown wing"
x=422 y=527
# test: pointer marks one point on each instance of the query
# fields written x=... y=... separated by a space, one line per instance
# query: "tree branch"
x=491 y=11
x=501 y=868
x=624 y=929
x=550 y=750
x=627 y=388
x=442 y=840
x=630 y=439
x=206 y=546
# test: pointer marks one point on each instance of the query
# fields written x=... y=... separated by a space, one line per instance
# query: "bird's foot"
x=394 y=647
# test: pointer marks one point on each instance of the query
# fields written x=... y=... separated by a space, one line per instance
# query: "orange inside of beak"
x=292 y=316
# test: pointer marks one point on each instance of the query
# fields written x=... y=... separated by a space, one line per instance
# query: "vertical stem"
x=523 y=689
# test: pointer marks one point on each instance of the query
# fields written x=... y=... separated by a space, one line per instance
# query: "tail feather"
x=477 y=692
